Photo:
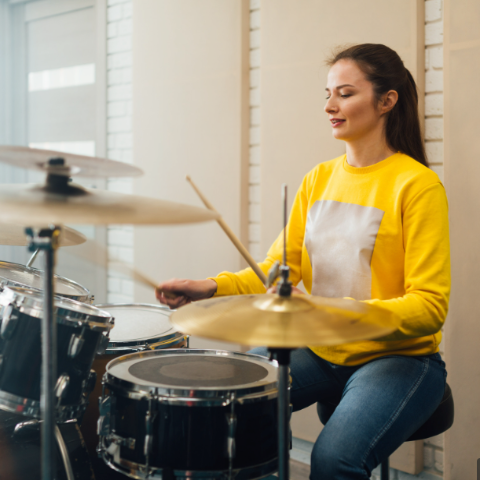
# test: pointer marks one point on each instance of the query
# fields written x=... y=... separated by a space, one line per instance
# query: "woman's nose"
x=330 y=106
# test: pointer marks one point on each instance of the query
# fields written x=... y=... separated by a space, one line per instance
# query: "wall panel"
x=189 y=116
x=462 y=171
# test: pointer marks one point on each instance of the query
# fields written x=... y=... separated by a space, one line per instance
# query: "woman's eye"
x=345 y=96
x=326 y=98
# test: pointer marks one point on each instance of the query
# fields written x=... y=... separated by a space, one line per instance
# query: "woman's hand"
x=178 y=292
x=294 y=290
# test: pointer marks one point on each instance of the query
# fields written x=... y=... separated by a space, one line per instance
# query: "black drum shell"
x=194 y=437
x=22 y=358
x=20 y=453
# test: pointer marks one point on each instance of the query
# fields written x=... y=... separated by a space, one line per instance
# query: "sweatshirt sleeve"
x=424 y=306
x=246 y=281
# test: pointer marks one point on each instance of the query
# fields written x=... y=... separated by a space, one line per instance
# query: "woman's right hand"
x=178 y=292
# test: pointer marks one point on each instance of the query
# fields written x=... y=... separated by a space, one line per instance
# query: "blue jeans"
x=382 y=403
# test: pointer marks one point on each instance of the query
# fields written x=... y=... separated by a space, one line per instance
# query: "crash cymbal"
x=15 y=235
x=73 y=165
x=36 y=205
x=290 y=322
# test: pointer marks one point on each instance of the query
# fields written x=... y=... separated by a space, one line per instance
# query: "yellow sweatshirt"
x=377 y=234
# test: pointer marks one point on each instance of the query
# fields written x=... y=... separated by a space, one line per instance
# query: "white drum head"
x=139 y=323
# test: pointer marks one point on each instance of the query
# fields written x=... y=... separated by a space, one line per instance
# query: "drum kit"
x=114 y=391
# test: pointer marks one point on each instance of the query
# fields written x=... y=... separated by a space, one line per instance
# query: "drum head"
x=22 y=276
x=138 y=323
x=195 y=370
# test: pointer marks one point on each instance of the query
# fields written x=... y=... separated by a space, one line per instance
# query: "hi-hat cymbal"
x=35 y=205
x=291 y=322
x=15 y=235
x=83 y=166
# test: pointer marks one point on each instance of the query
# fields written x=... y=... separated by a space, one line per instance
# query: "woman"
x=371 y=225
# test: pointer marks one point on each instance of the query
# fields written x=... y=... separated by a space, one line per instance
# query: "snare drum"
x=16 y=275
x=138 y=327
x=190 y=413
x=81 y=330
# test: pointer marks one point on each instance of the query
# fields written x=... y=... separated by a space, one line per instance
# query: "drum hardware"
x=232 y=428
x=102 y=346
x=8 y=322
x=64 y=454
x=61 y=387
x=76 y=343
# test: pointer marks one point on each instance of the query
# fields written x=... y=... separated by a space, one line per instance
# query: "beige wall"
x=296 y=38
x=190 y=117
x=462 y=171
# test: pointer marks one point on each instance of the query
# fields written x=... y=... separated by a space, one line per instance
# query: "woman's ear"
x=388 y=101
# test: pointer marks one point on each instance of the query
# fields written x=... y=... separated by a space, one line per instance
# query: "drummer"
x=371 y=225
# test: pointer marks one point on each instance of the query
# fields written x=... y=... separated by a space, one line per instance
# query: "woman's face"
x=351 y=107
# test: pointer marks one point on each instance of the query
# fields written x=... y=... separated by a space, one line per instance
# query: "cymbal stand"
x=282 y=355
x=47 y=240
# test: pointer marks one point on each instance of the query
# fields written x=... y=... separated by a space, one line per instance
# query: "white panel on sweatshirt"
x=340 y=238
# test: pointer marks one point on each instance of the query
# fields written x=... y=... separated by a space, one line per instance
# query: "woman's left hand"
x=294 y=290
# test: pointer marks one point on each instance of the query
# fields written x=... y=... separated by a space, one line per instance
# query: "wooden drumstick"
x=243 y=251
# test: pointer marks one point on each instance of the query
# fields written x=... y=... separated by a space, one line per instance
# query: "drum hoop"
x=81 y=297
x=140 y=342
x=139 y=471
x=141 y=345
x=199 y=396
x=10 y=402
x=33 y=307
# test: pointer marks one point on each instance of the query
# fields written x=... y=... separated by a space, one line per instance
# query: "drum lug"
x=75 y=345
x=232 y=428
x=147 y=446
x=61 y=387
x=122 y=442
x=8 y=322
x=89 y=383
x=103 y=423
x=102 y=344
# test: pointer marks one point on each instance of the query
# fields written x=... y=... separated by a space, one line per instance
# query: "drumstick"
x=243 y=251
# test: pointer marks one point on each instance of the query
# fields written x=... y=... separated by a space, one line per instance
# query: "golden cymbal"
x=291 y=322
x=15 y=235
x=36 y=205
x=83 y=166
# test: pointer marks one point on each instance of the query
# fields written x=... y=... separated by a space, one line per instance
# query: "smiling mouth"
x=336 y=122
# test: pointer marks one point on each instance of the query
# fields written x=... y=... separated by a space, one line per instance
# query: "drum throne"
x=440 y=421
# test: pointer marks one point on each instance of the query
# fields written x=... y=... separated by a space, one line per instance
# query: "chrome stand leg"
x=33 y=257
x=282 y=355
x=47 y=240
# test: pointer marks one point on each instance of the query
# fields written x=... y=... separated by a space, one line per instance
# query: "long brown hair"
x=386 y=71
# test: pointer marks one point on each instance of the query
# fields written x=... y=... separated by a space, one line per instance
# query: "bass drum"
x=138 y=327
x=20 y=452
